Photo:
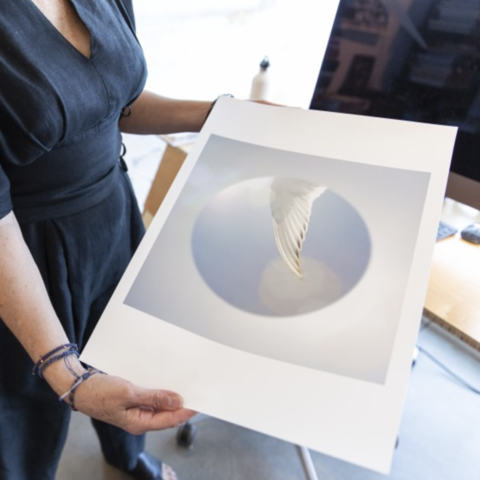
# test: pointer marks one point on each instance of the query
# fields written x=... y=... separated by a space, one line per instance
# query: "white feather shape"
x=291 y=203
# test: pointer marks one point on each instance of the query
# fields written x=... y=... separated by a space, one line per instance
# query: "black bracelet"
x=215 y=101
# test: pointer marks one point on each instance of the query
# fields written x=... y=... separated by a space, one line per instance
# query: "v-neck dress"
x=60 y=142
x=60 y=172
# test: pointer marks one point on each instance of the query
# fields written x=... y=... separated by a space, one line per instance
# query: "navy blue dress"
x=60 y=174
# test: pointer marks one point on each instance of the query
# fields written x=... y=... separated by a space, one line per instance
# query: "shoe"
x=150 y=468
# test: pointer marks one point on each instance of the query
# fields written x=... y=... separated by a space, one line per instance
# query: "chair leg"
x=307 y=463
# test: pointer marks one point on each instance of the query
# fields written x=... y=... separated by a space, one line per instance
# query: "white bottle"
x=261 y=82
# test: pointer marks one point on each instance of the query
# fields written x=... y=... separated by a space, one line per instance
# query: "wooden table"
x=453 y=296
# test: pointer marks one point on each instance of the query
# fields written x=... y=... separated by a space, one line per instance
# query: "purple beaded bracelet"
x=50 y=357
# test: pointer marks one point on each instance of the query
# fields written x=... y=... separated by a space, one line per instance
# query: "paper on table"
x=209 y=309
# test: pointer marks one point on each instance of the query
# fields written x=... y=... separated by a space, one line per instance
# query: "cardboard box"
x=174 y=155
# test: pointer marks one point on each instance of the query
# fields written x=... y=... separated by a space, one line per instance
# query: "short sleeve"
x=5 y=200
x=18 y=146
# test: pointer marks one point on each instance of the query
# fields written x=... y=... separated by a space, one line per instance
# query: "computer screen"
x=413 y=60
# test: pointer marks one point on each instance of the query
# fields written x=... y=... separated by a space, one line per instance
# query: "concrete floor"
x=439 y=437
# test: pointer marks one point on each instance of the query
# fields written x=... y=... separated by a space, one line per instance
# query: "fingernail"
x=174 y=402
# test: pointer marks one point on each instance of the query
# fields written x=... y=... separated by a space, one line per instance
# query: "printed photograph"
x=277 y=253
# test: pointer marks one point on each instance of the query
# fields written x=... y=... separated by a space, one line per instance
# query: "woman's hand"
x=134 y=409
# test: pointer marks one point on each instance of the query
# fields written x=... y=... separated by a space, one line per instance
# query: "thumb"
x=159 y=399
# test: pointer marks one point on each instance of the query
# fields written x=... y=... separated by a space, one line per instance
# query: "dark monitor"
x=413 y=60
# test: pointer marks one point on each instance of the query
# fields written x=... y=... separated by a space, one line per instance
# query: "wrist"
x=60 y=375
x=212 y=105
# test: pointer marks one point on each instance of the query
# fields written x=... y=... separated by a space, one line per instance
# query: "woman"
x=72 y=77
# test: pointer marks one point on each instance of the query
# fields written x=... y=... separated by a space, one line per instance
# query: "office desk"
x=453 y=296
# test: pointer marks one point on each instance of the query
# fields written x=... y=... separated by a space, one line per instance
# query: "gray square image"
x=293 y=257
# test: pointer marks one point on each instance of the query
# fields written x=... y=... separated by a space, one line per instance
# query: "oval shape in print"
x=280 y=246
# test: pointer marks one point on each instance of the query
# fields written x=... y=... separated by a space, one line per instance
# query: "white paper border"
x=349 y=419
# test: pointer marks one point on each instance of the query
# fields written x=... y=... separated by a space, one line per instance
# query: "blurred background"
x=203 y=49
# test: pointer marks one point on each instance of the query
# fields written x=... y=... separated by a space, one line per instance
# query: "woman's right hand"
x=135 y=409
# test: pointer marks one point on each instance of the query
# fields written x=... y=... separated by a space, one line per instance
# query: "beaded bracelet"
x=50 y=357
x=55 y=358
x=215 y=101
x=70 y=393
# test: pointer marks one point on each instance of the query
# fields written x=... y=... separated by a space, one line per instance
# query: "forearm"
x=25 y=306
x=26 y=309
x=154 y=114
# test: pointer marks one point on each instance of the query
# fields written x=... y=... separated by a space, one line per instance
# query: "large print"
x=265 y=243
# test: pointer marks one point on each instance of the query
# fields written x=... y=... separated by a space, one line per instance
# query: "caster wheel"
x=415 y=356
x=186 y=435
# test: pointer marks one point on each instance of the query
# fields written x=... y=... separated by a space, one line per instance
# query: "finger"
x=158 y=400
x=140 y=421
x=172 y=419
x=266 y=102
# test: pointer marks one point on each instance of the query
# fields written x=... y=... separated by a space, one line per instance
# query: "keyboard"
x=445 y=230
